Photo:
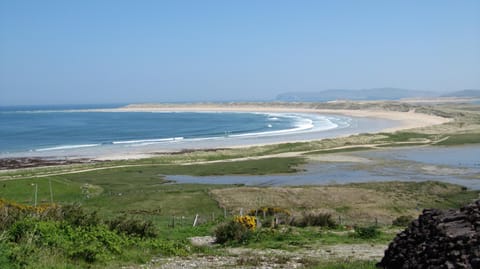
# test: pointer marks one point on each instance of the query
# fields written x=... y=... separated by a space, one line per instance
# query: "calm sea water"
x=41 y=129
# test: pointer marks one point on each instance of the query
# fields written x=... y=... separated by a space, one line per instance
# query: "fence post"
x=51 y=191
x=195 y=221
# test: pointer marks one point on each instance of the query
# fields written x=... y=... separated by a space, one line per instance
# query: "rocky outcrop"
x=438 y=239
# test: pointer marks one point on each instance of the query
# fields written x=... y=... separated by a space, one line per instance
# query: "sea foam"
x=68 y=147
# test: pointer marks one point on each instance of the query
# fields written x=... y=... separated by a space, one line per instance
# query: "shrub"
x=268 y=211
x=23 y=231
x=76 y=215
x=10 y=212
x=5 y=255
x=136 y=227
x=368 y=232
x=21 y=256
x=311 y=219
x=88 y=243
x=402 y=221
x=232 y=232
x=249 y=222
x=167 y=248
x=94 y=243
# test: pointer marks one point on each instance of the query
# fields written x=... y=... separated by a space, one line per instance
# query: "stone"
x=438 y=239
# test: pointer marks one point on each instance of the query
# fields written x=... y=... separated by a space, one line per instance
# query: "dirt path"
x=271 y=258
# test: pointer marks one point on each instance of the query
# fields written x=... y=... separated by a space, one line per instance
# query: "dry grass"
x=354 y=203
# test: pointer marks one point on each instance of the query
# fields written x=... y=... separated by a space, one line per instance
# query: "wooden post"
x=195 y=220
x=241 y=211
x=173 y=221
x=224 y=212
x=36 y=192
x=51 y=191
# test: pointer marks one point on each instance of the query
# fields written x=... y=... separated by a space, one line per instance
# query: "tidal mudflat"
x=457 y=165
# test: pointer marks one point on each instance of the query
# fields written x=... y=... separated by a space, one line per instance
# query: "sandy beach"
x=405 y=120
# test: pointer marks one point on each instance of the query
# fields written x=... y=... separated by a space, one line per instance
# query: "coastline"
x=365 y=121
x=406 y=120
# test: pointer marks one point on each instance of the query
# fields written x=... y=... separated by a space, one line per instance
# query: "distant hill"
x=363 y=94
x=463 y=93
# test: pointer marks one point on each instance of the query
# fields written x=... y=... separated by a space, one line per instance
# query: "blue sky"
x=69 y=52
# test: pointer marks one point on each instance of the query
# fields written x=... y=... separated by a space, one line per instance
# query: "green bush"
x=135 y=227
x=368 y=232
x=402 y=221
x=19 y=229
x=87 y=243
x=53 y=236
x=22 y=255
x=95 y=243
x=232 y=232
x=76 y=215
x=12 y=212
x=168 y=248
x=311 y=219
x=5 y=253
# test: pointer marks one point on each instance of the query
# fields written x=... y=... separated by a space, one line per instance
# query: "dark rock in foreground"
x=438 y=239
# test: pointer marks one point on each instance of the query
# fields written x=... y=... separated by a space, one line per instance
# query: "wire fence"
x=265 y=218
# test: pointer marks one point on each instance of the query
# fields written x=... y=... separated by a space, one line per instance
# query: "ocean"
x=68 y=128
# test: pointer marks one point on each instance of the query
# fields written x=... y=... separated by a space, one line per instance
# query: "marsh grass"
x=460 y=139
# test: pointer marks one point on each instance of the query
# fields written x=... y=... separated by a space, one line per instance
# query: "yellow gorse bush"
x=27 y=208
x=249 y=222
